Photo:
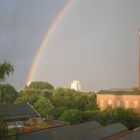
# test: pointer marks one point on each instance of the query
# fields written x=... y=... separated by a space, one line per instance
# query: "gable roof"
x=17 y=112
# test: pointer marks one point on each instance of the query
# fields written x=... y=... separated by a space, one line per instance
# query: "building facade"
x=76 y=85
x=115 y=100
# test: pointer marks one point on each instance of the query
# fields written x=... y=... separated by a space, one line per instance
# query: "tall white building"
x=29 y=82
x=76 y=85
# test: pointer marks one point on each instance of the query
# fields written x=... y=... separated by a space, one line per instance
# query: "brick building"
x=128 y=99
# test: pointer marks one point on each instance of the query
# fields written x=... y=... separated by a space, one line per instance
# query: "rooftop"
x=85 y=131
x=120 y=92
x=17 y=112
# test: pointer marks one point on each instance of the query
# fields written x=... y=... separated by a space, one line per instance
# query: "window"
x=135 y=104
x=109 y=102
x=126 y=104
x=16 y=124
x=101 y=103
x=118 y=103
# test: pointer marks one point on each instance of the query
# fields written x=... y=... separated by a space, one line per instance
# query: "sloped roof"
x=75 y=131
x=135 y=135
x=66 y=133
x=105 y=132
x=85 y=131
x=16 y=112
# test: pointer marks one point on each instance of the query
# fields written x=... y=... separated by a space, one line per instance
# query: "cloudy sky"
x=95 y=42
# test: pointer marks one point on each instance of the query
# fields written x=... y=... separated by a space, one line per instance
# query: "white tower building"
x=28 y=83
x=76 y=85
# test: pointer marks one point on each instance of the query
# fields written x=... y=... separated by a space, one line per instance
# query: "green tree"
x=5 y=70
x=44 y=107
x=128 y=117
x=60 y=97
x=22 y=99
x=47 y=93
x=92 y=115
x=57 y=112
x=30 y=95
x=64 y=98
x=81 y=102
x=73 y=116
x=8 y=94
x=41 y=85
x=32 y=99
x=92 y=104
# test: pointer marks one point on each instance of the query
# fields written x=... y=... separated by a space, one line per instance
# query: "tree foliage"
x=8 y=94
x=41 y=85
x=75 y=107
x=127 y=117
x=5 y=70
x=73 y=116
x=44 y=107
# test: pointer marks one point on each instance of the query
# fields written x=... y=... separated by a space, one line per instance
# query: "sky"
x=95 y=42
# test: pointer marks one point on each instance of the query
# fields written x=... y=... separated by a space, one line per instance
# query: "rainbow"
x=46 y=39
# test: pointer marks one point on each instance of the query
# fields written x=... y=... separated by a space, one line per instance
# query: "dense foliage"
x=53 y=103
x=40 y=85
x=8 y=94
x=67 y=105
x=74 y=107
x=5 y=70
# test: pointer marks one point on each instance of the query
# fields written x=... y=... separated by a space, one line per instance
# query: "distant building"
x=123 y=99
x=76 y=85
x=28 y=84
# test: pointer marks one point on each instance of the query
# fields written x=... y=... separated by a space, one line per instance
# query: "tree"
x=8 y=94
x=81 y=102
x=92 y=104
x=60 y=97
x=47 y=93
x=31 y=95
x=92 y=115
x=64 y=98
x=41 y=85
x=32 y=99
x=128 y=117
x=44 y=107
x=5 y=70
x=73 y=116
x=57 y=112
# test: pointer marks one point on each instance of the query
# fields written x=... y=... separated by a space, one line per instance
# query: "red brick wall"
x=125 y=101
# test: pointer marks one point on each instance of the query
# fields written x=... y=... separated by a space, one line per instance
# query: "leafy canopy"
x=41 y=85
x=5 y=70
x=8 y=94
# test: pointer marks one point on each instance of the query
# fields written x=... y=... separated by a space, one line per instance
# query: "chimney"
x=139 y=61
